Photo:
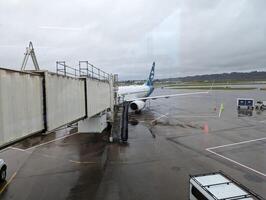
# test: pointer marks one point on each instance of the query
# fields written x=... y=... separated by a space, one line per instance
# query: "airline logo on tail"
x=151 y=76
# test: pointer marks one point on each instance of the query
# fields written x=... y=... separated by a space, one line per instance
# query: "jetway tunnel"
x=41 y=101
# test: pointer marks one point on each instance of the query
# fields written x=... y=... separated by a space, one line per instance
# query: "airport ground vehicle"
x=245 y=103
x=215 y=186
x=260 y=105
x=3 y=169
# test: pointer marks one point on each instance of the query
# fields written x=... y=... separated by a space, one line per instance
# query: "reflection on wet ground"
x=133 y=122
x=40 y=138
x=58 y=166
x=245 y=112
x=169 y=140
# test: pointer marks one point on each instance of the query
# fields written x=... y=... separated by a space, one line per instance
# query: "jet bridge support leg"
x=124 y=122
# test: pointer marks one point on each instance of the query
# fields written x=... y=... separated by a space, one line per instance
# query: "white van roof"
x=220 y=186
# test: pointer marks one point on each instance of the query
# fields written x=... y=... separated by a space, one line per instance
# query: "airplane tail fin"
x=149 y=82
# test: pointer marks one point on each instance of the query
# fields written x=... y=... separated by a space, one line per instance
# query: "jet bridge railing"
x=85 y=69
x=65 y=70
x=89 y=70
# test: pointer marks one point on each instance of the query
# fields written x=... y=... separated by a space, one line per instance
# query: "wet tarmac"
x=170 y=140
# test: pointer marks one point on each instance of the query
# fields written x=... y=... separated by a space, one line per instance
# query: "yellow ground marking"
x=8 y=182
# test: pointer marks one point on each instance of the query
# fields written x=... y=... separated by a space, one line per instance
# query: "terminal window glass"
x=197 y=194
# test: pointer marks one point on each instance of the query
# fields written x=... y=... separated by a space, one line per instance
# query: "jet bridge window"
x=197 y=194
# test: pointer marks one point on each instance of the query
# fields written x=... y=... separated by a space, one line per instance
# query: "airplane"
x=137 y=95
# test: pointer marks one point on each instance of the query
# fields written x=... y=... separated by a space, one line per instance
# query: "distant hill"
x=233 y=76
x=224 y=77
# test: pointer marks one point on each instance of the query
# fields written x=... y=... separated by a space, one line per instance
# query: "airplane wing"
x=168 y=96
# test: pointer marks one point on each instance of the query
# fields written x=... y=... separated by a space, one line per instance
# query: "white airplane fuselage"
x=136 y=94
x=134 y=91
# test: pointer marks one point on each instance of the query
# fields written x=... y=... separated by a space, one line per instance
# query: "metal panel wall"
x=21 y=105
x=31 y=103
x=98 y=96
x=65 y=100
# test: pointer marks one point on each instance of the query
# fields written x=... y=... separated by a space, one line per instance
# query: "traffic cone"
x=206 y=128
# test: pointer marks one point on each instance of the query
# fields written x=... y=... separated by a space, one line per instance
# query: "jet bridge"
x=41 y=101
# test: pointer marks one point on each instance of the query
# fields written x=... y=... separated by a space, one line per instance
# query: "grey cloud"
x=230 y=36
x=184 y=37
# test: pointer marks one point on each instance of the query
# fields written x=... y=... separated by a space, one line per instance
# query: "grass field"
x=213 y=88
x=202 y=83
x=232 y=85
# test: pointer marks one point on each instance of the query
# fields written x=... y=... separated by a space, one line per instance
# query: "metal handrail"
x=63 y=69
x=93 y=72
x=89 y=70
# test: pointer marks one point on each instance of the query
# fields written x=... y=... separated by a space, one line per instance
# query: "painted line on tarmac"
x=53 y=157
x=237 y=143
x=197 y=116
x=26 y=150
x=82 y=162
x=160 y=117
x=8 y=182
x=15 y=148
x=164 y=115
x=5 y=149
x=60 y=138
x=187 y=116
x=29 y=152
x=233 y=161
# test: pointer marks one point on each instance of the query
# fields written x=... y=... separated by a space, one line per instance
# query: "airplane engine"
x=137 y=105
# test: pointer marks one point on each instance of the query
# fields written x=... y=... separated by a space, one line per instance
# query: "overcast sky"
x=183 y=37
